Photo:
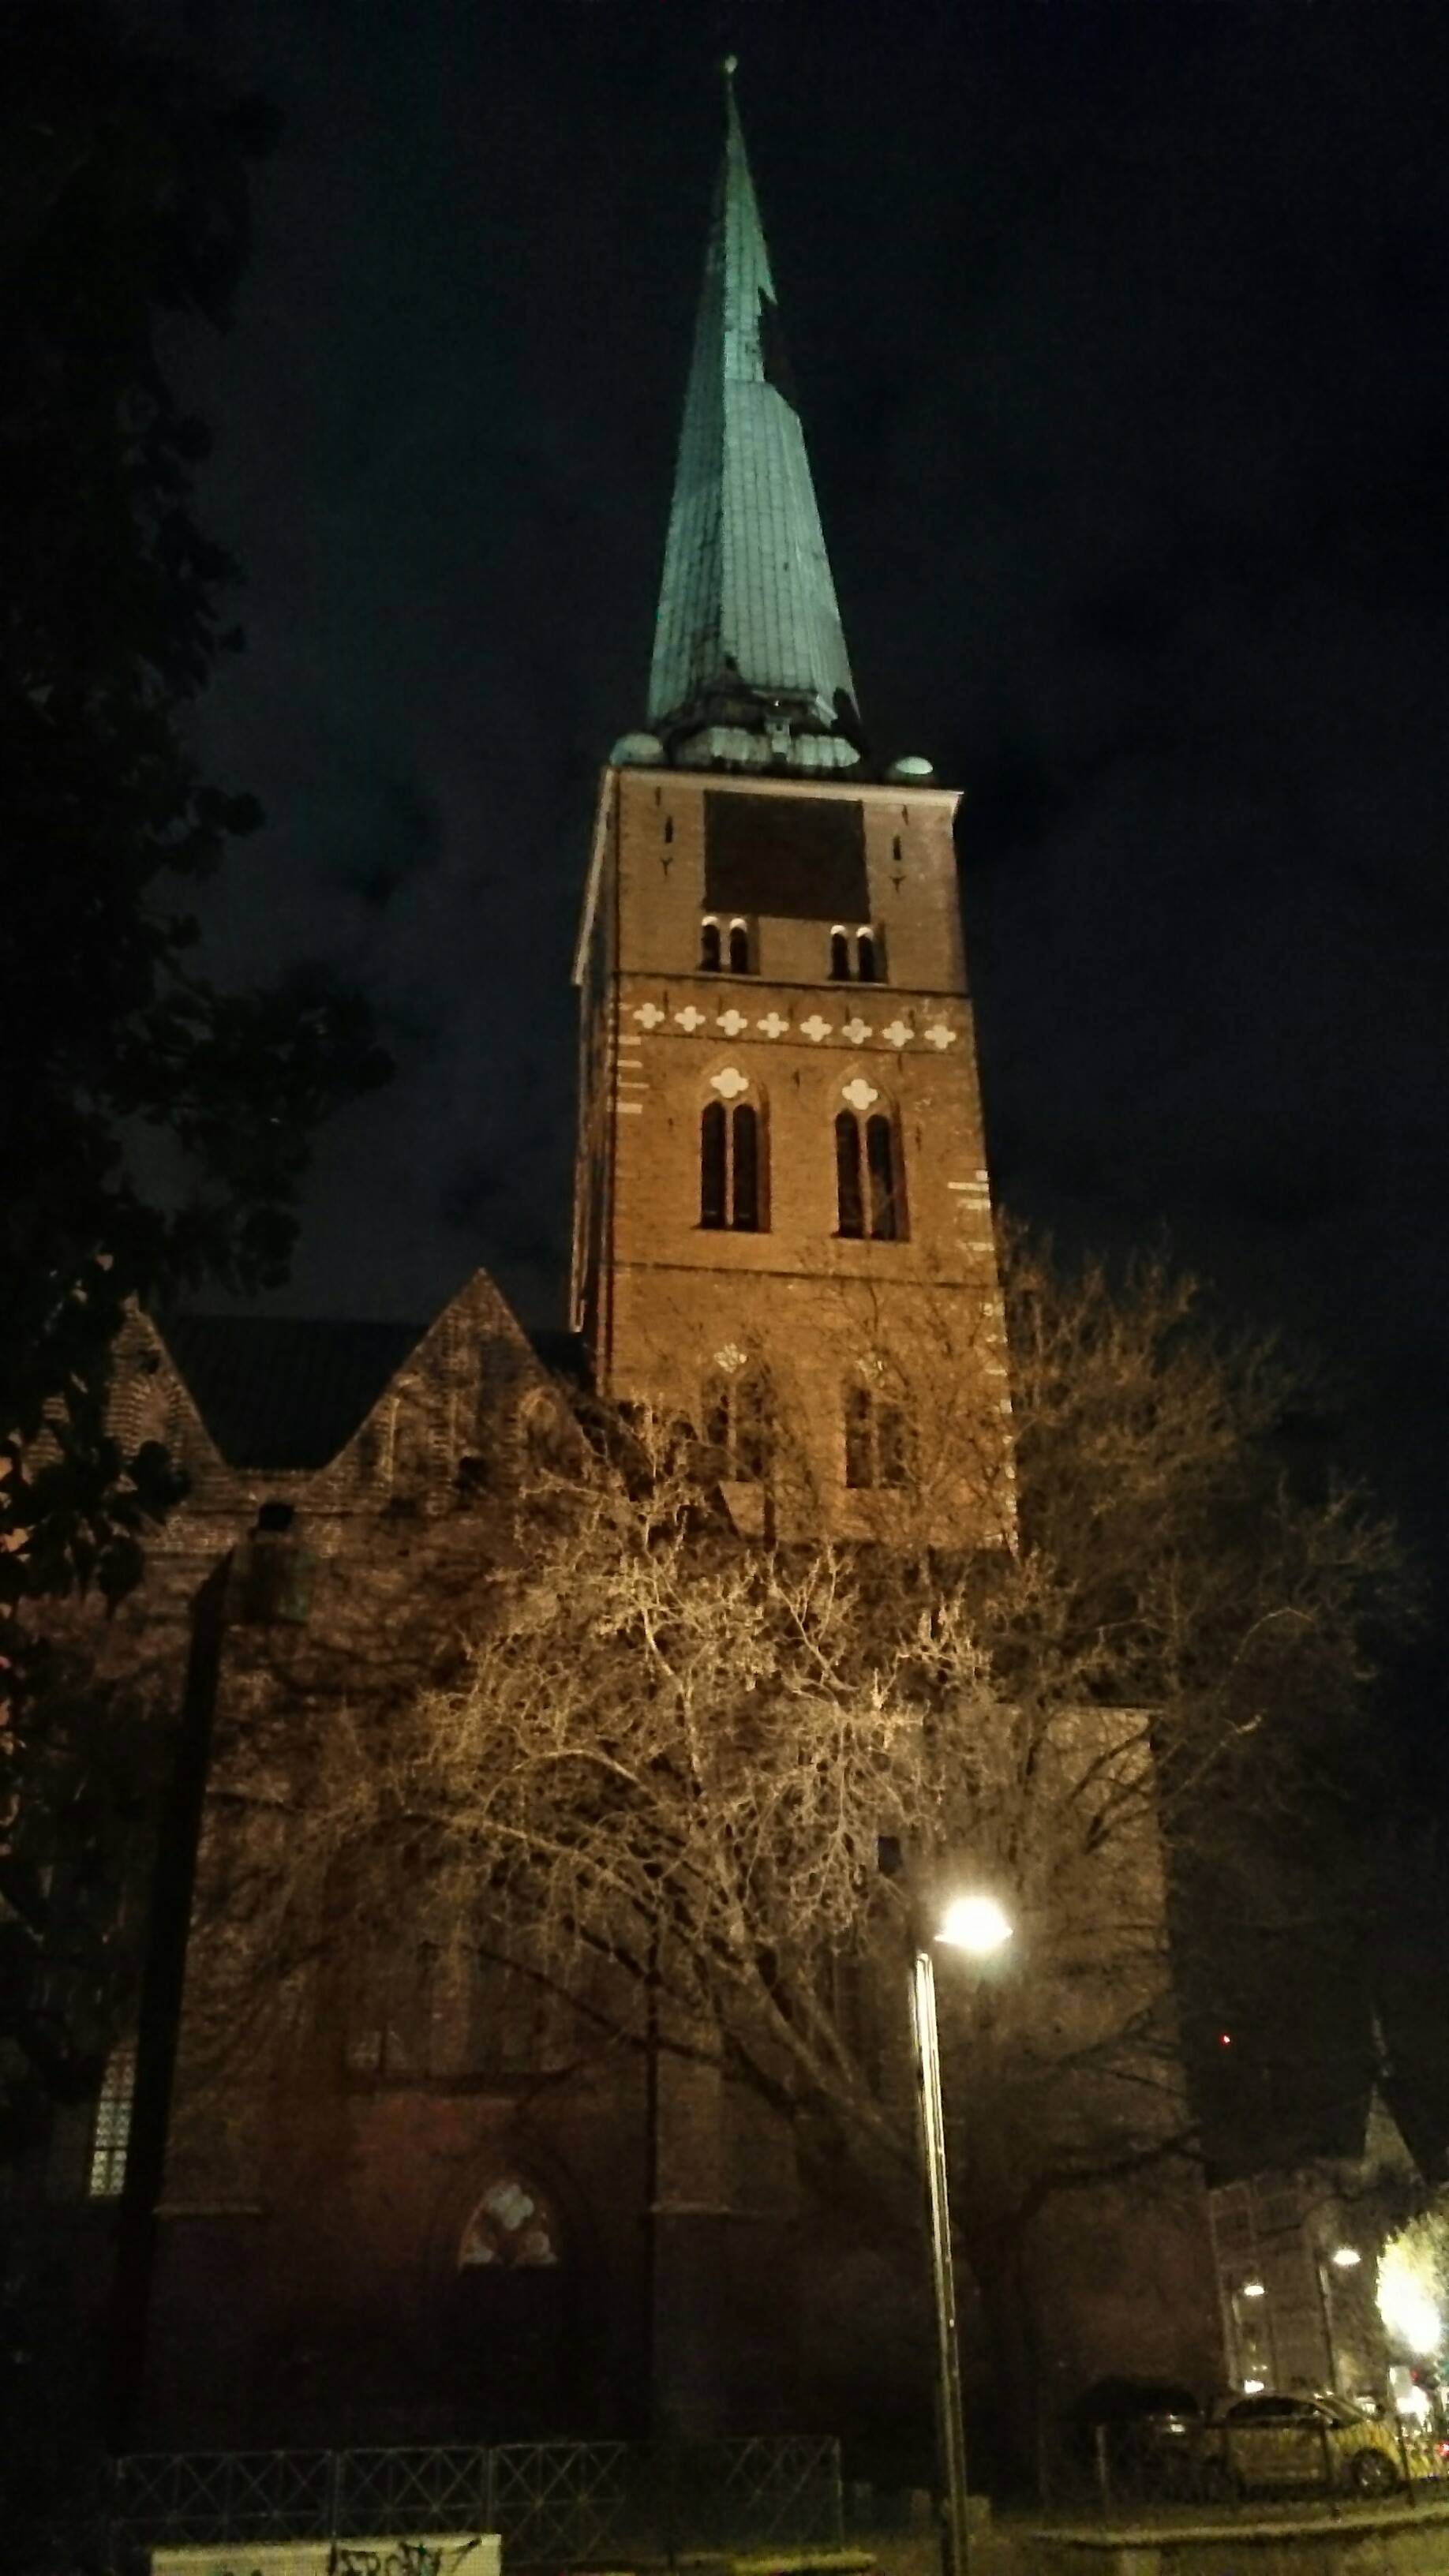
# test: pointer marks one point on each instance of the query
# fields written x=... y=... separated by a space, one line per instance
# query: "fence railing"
x=552 y=2501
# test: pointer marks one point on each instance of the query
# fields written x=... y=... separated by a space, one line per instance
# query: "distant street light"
x=1346 y=2258
x=977 y=1925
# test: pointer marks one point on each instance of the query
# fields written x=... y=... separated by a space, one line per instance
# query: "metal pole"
x=1325 y=2304
x=950 y=2429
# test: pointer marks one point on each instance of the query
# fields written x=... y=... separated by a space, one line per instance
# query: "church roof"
x=284 y=1392
x=750 y=665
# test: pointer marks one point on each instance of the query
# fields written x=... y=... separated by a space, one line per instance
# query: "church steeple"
x=750 y=668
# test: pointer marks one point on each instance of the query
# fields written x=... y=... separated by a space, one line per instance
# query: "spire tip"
x=730 y=66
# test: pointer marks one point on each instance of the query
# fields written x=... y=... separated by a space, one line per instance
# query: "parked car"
x=1139 y=2436
x=1258 y=2444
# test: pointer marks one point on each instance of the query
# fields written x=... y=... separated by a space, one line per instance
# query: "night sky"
x=1122 y=337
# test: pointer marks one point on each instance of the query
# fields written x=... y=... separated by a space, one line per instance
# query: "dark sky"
x=1123 y=343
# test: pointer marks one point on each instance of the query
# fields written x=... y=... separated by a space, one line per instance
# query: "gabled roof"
x=750 y=664
x=281 y=1391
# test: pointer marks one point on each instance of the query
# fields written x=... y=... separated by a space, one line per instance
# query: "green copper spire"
x=750 y=666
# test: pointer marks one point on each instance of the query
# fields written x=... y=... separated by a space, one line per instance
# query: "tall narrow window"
x=709 y=947
x=713 y=1164
x=745 y=1158
x=859 y=1448
x=839 y=957
x=892 y=1444
x=881 y=1163
x=865 y=960
x=111 y=2134
x=737 y=1427
x=847 y=1174
x=877 y=1439
x=739 y=948
x=732 y=1168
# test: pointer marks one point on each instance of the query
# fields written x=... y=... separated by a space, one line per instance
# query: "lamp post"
x=1344 y=2258
x=975 y=1924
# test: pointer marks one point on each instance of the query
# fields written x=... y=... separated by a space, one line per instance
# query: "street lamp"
x=977 y=1925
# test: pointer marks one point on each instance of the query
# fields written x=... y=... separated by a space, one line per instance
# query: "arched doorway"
x=515 y=2298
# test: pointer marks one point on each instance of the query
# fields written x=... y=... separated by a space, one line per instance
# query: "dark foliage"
x=154 y=1129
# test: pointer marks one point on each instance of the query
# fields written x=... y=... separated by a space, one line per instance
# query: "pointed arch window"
x=513 y=2229
x=877 y=1438
x=740 y=948
x=731 y=1168
x=869 y=1197
x=866 y=961
x=709 y=946
x=111 y=2128
x=737 y=1425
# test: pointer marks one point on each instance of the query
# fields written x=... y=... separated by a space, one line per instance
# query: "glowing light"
x=1225 y=2039
x=1347 y=2257
x=1406 y=2304
x=974 y=1923
x=1251 y=2387
x=1254 y=2290
x=1415 y=2404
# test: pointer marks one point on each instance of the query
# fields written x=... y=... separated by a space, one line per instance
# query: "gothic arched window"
x=513 y=2229
x=709 y=948
x=731 y=1168
x=739 y=948
x=737 y=1425
x=869 y=1199
x=884 y=1192
x=839 y=956
x=111 y=2125
x=877 y=1437
x=865 y=956
x=851 y=1205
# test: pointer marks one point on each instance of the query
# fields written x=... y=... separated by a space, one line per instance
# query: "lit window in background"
x=111 y=2135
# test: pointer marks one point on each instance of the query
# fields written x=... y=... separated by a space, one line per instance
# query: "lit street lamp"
x=977 y=1925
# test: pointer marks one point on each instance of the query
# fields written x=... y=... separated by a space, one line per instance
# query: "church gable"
x=341 y=1414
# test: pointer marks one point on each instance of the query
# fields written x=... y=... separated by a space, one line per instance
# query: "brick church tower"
x=783 y=1225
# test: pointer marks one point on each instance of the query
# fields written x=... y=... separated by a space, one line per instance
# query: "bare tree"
x=657 y=1775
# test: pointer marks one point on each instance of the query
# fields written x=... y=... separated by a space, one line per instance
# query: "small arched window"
x=865 y=957
x=839 y=956
x=869 y=1199
x=731 y=1168
x=709 y=948
x=739 y=948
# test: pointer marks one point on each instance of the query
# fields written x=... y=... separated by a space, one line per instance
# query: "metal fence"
x=553 y=2502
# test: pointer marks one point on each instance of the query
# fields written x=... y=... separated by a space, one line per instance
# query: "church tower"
x=782 y=1216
